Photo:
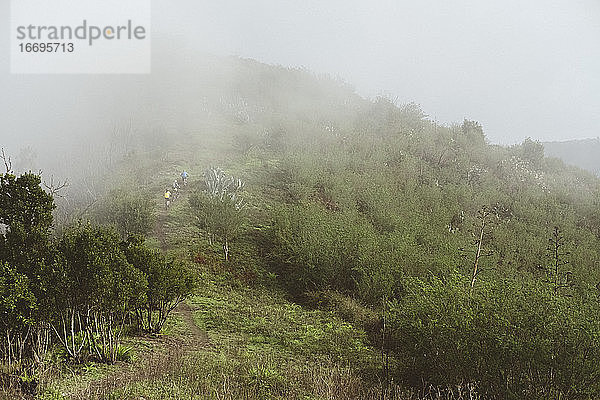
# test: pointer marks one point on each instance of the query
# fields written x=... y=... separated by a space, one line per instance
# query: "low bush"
x=514 y=340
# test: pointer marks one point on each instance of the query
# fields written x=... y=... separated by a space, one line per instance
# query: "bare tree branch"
x=7 y=162
x=55 y=188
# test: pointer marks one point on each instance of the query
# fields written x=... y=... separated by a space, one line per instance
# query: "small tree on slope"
x=219 y=207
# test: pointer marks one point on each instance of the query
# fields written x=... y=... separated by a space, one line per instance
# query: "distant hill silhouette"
x=583 y=153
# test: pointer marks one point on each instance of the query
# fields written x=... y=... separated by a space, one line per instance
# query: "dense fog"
x=521 y=70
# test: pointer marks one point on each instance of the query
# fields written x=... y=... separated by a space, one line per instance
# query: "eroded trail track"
x=159 y=229
x=155 y=355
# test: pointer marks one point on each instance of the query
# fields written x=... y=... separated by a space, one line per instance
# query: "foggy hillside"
x=321 y=238
x=77 y=128
x=307 y=201
x=68 y=114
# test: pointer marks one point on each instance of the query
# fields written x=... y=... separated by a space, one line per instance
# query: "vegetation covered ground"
x=326 y=247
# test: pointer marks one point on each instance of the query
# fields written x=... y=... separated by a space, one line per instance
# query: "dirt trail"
x=164 y=355
x=187 y=313
x=159 y=229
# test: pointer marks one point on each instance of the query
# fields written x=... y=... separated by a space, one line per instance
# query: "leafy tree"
x=95 y=289
x=169 y=283
x=25 y=256
x=473 y=133
x=26 y=213
x=532 y=151
x=219 y=207
x=130 y=213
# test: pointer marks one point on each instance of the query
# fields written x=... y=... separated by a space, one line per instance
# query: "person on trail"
x=184 y=176
x=167 y=198
x=176 y=188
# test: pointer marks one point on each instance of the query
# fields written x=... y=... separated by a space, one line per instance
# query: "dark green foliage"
x=131 y=213
x=25 y=257
x=169 y=283
x=23 y=203
x=95 y=271
x=26 y=213
x=82 y=285
x=94 y=290
x=18 y=309
x=17 y=302
x=515 y=339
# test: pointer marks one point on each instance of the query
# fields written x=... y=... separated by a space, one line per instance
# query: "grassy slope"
x=238 y=336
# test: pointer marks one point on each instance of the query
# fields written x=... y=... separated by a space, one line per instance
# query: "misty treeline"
x=74 y=294
x=480 y=260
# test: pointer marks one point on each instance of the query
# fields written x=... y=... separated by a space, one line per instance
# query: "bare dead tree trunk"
x=555 y=247
x=7 y=162
x=477 y=254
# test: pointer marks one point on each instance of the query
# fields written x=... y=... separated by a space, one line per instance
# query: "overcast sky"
x=521 y=68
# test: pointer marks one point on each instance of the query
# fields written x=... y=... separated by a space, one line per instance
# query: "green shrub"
x=131 y=213
x=168 y=284
x=316 y=249
x=124 y=353
x=94 y=288
x=515 y=340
